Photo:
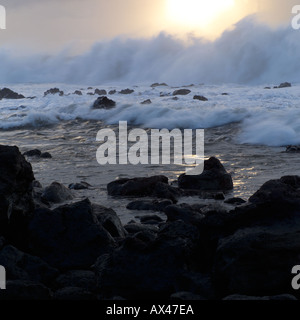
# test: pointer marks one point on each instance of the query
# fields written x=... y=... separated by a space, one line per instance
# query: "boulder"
x=78 y=93
x=184 y=212
x=126 y=91
x=156 y=84
x=84 y=279
x=104 y=103
x=153 y=205
x=148 y=101
x=25 y=290
x=22 y=266
x=56 y=193
x=200 y=98
x=156 y=186
x=16 y=201
x=6 y=93
x=109 y=220
x=213 y=178
x=100 y=92
x=53 y=91
x=181 y=92
x=111 y=92
x=134 y=228
x=142 y=270
x=285 y=85
x=69 y=237
x=256 y=262
x=292 y=149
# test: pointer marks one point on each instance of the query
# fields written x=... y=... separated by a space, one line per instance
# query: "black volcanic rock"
x=100 y=92
x=104 y=103
x=156 y=186
x=126 y=91
x=214 y=177
x=56 y=193
x=6 y=93
x=16 y=201
x=53 y=91
x=200 y=98
x=69 y=237
x=181 y=92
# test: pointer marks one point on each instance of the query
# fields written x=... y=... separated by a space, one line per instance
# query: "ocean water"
x=247 y=129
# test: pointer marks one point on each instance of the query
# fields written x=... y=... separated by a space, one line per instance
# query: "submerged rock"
x=154 y=205
x=213 y=178
x=148 y=101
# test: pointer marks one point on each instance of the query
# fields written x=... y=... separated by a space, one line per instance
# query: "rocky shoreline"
x=81 y=250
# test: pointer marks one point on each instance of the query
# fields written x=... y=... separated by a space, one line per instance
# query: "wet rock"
x=156 y=186
x=33 y=153
x=138 y=269
x=78 y=93
x=16 y=201
x=53 y=91
x=134 y=228
x=25 y=290
x=283 y=190
x=46 y=155
x=77 y=278
x=104 y=103
x=56 y=193
x=79 y=186
x=219 y=196
x=285 y=85
x=256 y=262
x=151 y=219
x=90 y=88
x=156 y=84
x=109 y=220
x=69 y=237
x=154 y=205
x=214 y=177
x=126 y=91
x=235 y=201
x=200 y=98
x=293 y=149
x=148 y=101
x=184 y=212
x=112 y=92
x=267 y=88
x=22 y=266
x=100 y=92
x=225 y=94
x=73 y=294
x=37 y=153
x=181 y=92
x=6 y=93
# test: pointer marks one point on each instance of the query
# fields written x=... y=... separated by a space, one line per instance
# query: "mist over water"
x=250 y=53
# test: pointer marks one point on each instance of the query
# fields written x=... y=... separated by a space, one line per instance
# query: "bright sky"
x=52 y=24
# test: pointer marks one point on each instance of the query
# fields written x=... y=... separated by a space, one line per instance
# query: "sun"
x=197 y=13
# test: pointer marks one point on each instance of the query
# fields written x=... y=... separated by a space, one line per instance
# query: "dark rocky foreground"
x=81 y=251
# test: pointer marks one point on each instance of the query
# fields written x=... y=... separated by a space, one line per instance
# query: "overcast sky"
x=47 y=25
